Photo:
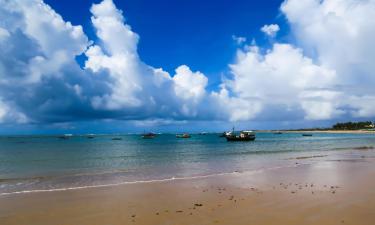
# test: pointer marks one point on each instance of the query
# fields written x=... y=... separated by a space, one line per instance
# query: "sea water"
x=41 y=163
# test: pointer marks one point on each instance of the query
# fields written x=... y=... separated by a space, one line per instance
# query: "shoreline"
x=303 y=159
x=154 y=181
x=287 y=195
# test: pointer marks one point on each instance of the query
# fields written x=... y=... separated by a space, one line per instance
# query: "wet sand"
x=326 y=192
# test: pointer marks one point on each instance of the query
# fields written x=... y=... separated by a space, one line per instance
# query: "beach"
x=337 y=191
x=286 y=178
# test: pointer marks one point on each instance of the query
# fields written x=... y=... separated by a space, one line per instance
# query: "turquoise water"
x=47 y=162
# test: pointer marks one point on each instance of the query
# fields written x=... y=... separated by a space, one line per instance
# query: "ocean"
x=45 y=163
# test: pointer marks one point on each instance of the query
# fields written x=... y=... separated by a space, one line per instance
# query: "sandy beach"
x=326 y=192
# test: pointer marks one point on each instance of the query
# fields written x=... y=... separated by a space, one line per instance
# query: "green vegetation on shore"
x=366 y=125
x=353 y=126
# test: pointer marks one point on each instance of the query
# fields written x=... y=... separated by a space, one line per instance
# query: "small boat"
x=116 y=138
x=307 y=135
x=278 y=132
x=245 y=135
x=202 y=133
x=90 y=136
x=66 y=136
x=185 y=135
x=148 y=135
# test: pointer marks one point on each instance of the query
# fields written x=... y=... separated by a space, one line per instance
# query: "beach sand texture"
x=326 y=192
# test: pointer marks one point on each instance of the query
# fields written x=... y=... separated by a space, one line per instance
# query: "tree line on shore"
x=353 y=125
x=366 y=125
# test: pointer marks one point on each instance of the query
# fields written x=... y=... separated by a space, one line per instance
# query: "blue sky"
x=124 y=66
x=191 y=32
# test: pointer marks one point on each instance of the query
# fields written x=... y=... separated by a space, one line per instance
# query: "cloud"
x=37 y=62
x=8 y=115
x=136 y=87
x=270 y=30
x=42 y=80
x=282 y=77
x=189 y=85
x=239 y=40
x=327 y=74
x=339 y=34
x=235 y=108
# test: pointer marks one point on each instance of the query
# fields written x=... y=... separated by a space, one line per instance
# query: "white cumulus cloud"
x=282 y=77
x=270 y=30
x=339 y=34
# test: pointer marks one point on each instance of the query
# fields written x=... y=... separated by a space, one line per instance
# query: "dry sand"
x=326 y=192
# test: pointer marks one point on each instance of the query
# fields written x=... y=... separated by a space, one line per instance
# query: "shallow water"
x=47 y=162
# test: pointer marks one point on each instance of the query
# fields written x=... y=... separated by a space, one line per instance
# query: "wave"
x=41 y=178
x=148 y=181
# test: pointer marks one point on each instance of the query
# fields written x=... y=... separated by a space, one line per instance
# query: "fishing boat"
x=185 y=135
x=245 y=135
x=148 y=135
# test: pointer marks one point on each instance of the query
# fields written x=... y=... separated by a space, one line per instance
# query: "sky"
x=113 y=66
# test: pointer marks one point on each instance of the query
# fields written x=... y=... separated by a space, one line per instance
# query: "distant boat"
x=243 y=136
x=90 y=136
x=278 y=132
x=185 y=135
x=116 y=138
x=202 y=133
x=66 y=136
x=148 y=135
x=307 y=135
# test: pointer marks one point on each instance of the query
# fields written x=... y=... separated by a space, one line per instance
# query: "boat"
x=66 y=136
x=245 y=135
x=203 y=133
x=148 y=135
x=185 y=135
x=307 y=135
x=116 y=138
x=90 y=136
x=278 y=132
